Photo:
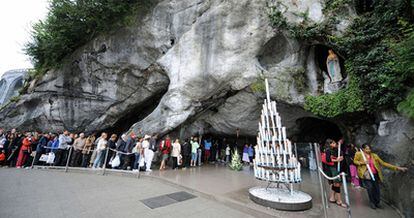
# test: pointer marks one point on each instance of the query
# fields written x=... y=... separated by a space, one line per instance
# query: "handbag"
x=51 y=158
x=141 y=161
x=179 y=160
x=116 y=162
x=43 y=158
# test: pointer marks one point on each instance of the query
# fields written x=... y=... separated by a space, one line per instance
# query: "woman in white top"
x=176 y=151
x=100 y=148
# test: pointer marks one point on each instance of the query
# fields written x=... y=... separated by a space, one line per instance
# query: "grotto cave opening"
x=135 y=114
x=311 y=129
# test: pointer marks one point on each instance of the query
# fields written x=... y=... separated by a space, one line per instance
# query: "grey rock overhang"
x=191 y=55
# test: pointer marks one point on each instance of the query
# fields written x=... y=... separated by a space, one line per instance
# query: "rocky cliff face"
x=392 y=137
x=188 y=64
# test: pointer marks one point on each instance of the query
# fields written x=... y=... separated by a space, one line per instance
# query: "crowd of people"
x=127 y=152
x=138 y=151
x=362 y=166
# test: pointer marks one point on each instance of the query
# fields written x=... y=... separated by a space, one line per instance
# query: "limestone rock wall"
x=393 y=139
x=193 y=64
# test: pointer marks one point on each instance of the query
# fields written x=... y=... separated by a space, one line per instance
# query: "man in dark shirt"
x=40 y=148
x=186 y=153
x=130 y=143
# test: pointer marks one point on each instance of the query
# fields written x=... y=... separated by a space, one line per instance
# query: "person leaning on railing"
x=87 y=150
x=331 y=166
x=375 y=163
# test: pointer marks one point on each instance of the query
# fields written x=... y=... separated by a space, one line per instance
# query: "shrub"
x=71 y=23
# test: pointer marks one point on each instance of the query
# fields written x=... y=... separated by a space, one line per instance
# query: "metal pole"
x=321 y=186
x=33 y=160
x=346 y=194
x=139 y=166
x=296 y=152
x=67 y=161
x=324 y=181
x=104 y=164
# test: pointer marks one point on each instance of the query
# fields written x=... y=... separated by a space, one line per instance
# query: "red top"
x=166 y=148
x=26 y=143
x=372 y=166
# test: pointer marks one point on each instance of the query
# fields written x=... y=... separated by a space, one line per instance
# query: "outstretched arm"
x=390 y=166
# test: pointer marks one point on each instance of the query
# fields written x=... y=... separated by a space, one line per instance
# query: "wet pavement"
x=55 y=194
x=227 y=185
x=214 y=190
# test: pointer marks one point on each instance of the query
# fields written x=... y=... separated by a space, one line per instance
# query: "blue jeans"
x=199 y=157
x=194 y=156
x=99 y=159
x=136 y=162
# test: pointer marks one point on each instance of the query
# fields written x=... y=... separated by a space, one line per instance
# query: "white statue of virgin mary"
x=334 y=68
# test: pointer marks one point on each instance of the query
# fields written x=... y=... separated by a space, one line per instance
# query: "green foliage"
x=277 y=19
x=72 y=23
x=377 y=51
x=236 y=164
x=299 y=78
x=331 y=105
x=407 y=106
x=15 y=98
x=405 y=51
x=334 y=6
x=258 y=86
x=9 y=102
x=367 y=44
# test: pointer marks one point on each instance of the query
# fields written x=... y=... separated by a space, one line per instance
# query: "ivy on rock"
x=373 y=46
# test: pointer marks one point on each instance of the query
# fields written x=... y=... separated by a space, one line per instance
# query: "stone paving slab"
x=160 y=201
x=181 y=196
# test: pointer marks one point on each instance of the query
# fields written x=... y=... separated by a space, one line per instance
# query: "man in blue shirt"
x=207 y=147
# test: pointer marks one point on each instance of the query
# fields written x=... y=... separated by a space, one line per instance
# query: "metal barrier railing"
x=66 y=167
x=342 y=175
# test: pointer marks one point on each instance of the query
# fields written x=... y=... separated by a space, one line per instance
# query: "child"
x=2 y=158
x=228 y=153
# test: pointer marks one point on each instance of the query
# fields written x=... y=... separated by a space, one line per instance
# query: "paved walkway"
x=220 y=193
x=43 y=194
x=233 y=186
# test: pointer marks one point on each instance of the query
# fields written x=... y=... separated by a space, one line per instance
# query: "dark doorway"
x=316 y=130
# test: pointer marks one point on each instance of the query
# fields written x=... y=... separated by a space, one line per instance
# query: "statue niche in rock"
x=334 y=67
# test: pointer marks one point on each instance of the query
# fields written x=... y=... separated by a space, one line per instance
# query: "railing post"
x=34 y=158
x=296 y=151
x=321 y=186
x=139 y=166
x=104 y=164
x=67 y=161
x=346 y=194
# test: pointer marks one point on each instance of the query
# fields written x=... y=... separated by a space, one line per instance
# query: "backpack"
x=323 y=158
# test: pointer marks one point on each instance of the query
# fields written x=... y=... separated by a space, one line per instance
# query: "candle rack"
x=276 y=163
